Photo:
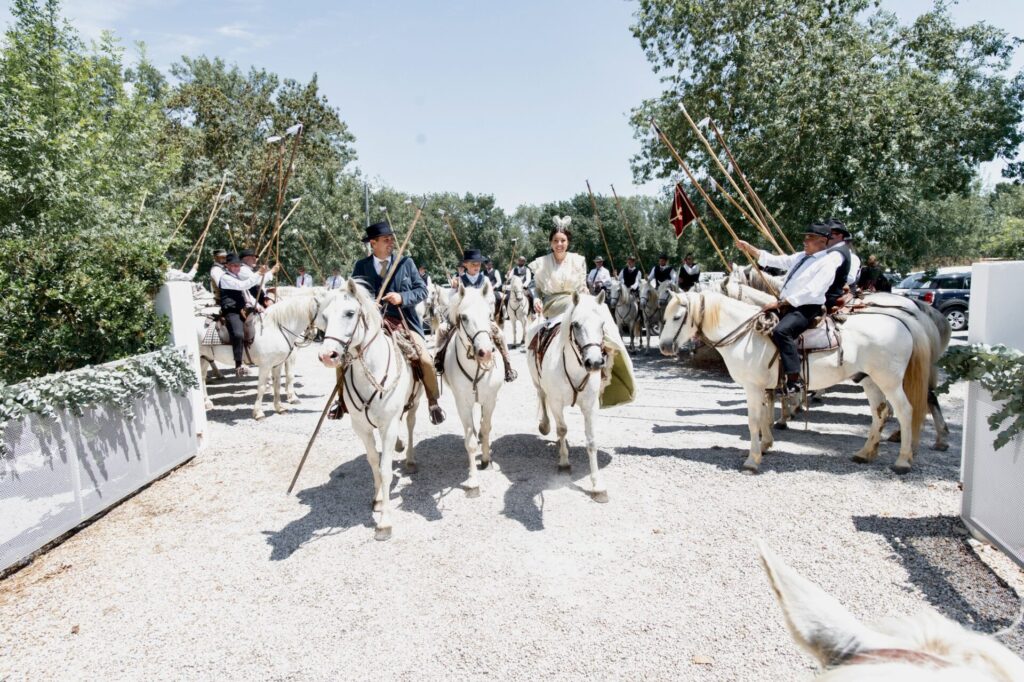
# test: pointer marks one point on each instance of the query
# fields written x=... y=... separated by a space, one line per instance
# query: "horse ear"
x=600 y=297
x=462 y=289
x=351 y=286
x=817 y=622
x=575 y=297
x=487 y=291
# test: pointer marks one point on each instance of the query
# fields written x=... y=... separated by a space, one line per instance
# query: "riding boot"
x=499 y=341
x=338 y=409
x=440 y=348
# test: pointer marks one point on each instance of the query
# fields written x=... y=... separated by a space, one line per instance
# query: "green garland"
x=118 y=384
x=1000 y=371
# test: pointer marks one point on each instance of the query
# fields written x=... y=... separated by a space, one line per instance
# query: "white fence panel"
x=993 y=506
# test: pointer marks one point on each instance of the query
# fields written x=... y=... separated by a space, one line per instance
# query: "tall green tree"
x=834 y=108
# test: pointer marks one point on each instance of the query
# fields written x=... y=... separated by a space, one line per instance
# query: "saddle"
x=542 y=340
x=217 y=332
x=822 y=336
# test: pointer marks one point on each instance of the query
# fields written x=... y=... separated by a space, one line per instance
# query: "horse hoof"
x=860 y=459
x=900 y=469
x=259 y=417
x=376 y=506
x=382 y=534
x=941 y=447
x=281 y=409
x=544 y=429
x=749 y=467
x=895 y=437
x=600 y=496
x=473 y=492
x=399 y=445
x=294 y=400
x=564 y=468
x=208 y=405
x=411 y=467
x=484 y=464
x=781 y=426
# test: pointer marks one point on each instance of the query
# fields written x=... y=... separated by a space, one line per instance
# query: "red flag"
x=683 y=211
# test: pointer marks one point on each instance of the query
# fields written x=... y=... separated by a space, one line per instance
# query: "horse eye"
x=465 y=318
x=350 y=313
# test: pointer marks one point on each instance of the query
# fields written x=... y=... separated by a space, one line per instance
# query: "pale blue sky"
x=523 y=100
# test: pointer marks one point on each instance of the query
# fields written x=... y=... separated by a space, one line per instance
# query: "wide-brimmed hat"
x=247 y=253
x=662 y=255
x=233 y=259
x=218 y=253
x=840 y=227
x=376 y=230
x=599 y=259
x=819 y=229
x=630 y=257
x=472 y=256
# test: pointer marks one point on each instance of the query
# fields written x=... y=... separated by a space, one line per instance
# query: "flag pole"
x=710 y=203
x=452 y=230
x=754 y=195
x=600 y=227
x=629 y=232
x=765 y=232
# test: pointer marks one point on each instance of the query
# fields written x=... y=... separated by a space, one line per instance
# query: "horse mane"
x=712 y=309
x=359 y=290
x=288 y=309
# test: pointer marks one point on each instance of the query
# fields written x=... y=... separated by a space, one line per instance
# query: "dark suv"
x=950 y=293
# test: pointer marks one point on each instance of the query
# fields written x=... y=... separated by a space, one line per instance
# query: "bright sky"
x=524 y=100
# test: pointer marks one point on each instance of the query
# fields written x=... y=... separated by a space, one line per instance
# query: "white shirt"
x=497 y=277
x=526 y=277
x=651 y=278
x=247 y=272
x=598 y=278
x=854 y=269
x=305 y=280
x=378 y=263
x=216 y=272
x=808 y=284
x=334 y=282
x=691 y=269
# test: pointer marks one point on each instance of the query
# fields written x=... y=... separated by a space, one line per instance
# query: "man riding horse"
x=811 y=274
x=521 y=271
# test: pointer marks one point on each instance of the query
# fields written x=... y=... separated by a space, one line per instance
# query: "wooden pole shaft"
x=312 y=438
x=725 y=262
x=454 y=237
x=707 y=199
x=197 y=248
x=600 y=227
x=277 y=230
x=309 y=252
x=401 y=250
x=629 y=231
x=758 y=225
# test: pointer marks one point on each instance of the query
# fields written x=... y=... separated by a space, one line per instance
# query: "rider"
x=216 y=272
x=845 y=275
x=496 y=284
x=304 y=279
x=526 y=276
x=473 y=278
x=335 y=281
x=630 y=275
x=405 y=289
x=811 y=273
x=234 y=300
x=661 y=272
x=598 y=279
x=689 y=274
x=258 y=293
x=559 y=275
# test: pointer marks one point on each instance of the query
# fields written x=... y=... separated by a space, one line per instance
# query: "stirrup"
x=436 y=414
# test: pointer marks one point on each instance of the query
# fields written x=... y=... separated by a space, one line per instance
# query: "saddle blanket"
x=822 y=337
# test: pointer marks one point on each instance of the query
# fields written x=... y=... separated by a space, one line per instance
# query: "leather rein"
x=480 y=372
x=578 y=351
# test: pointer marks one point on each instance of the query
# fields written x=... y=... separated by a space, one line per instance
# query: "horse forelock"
x=364 y=300
x=471 y=302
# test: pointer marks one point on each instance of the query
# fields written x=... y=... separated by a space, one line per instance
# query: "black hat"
x=662 y=255
x=378 y=230
x=839 y=226
x=246 y=253
x=521 y=258
x=630 y=257
x=472 y=256
x=233 y=259
x=820 y=229
x=217 y=253
x=598 y=259
x=487 y=260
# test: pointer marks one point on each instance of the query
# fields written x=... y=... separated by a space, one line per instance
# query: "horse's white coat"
x=626 y=305
x=469 y=370
x=519 y=313
x=355 y=338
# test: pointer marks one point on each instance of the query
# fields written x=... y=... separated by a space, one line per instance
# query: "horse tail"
x=916 y=379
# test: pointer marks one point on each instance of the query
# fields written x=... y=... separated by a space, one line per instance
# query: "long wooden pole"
x=178 y=227
x=707 y=199
x=309 y=251
x=197 y=248
x=454 y=237
x=600 y=227
x=718 y=162
x=758 y=225
x=725 y=262
x=754 y=195
x=312 y=438
x=629 y=232
x=277 y=230
x=401 y=250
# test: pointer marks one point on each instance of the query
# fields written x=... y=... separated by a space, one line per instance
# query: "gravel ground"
x=214 y=573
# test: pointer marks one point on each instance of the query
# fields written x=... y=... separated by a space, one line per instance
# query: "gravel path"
x=214 y=573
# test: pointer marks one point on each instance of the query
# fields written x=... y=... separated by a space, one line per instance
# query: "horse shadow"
x=942 y=565
x=530 y=463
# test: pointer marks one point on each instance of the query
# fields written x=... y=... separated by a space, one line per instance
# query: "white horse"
x=627 y=311
x=650 y=315
x=378 y=386
x=934 y=324
x=469 y=372
x=437 y=306
x=922 y=648
x=279 y=331
x=894 y=355
x=570 y=374
x=519 y=313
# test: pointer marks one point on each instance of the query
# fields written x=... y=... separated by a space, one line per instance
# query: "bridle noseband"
x=579 y=351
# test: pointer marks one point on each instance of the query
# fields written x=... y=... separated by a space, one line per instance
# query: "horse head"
x=585 y=329
x=614 y=292
x=470 y=313
x=677 y=325
x=922 y=647
x=349 y=315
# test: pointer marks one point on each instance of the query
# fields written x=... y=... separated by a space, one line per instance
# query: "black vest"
x=662 y=274
x=466 y=282
x=492 y=275
x=520 y=272
x=231 y=300
x=629 y=276
x=835 y=290
x=686 y=280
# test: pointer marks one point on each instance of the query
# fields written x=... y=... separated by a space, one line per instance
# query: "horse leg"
x=486 y=412
x=373 y=457
x=544 y=425
x=289 y=378
x=767 y=412
x=261 y=387
x=410 y=453
x=879 y=413
x=275 y=377
x=755 y=401
x=563 y=446
x=941 y=429
x=598 y=491
x=207 y=403
x=387 y=439
x=904 y=412
x=465 y=407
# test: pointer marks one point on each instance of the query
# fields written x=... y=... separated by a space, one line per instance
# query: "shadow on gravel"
x=530 y=463
x=941 y=564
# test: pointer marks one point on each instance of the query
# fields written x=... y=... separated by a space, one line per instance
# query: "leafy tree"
x=833 y=108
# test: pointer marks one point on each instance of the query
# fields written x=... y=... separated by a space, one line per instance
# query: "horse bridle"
x=579 y=351
x=304 y=339
x=481 y=371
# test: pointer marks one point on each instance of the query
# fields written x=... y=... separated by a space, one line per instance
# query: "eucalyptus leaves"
x=118 y=384
x=1000 y=371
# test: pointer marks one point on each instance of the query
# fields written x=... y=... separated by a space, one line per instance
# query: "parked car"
x=949 y=290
